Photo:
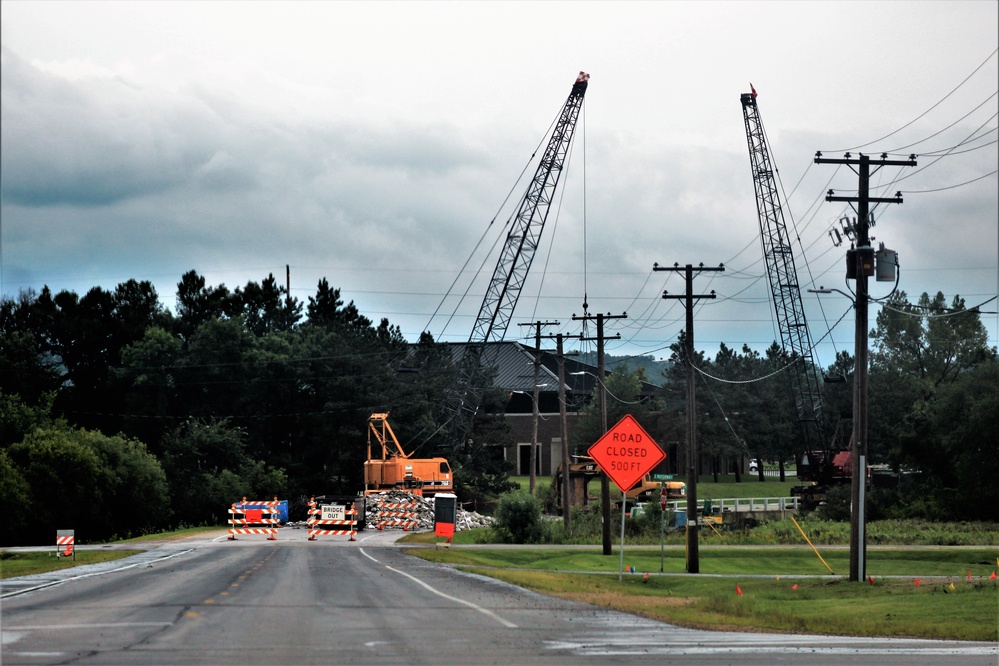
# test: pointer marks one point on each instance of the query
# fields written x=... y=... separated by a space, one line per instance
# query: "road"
x=291 y=601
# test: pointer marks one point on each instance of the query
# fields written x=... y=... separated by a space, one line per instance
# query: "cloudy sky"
x=372 y=143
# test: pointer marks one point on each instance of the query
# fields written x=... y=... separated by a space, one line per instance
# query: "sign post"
x=626 y=453
x=662 y=528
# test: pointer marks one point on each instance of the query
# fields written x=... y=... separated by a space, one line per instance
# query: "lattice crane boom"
x=511 y=270
x=783 y=279
x=525 y=233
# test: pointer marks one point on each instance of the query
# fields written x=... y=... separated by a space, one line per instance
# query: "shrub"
x=647 y=523
x=837 y=504
x=518 y=519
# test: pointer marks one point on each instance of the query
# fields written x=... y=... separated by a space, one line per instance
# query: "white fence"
x=740 y=504
x=774 y=472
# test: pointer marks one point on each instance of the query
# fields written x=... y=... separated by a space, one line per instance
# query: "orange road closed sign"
x=626 y=453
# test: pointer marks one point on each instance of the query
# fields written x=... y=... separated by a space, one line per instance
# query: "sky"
x=374 y=143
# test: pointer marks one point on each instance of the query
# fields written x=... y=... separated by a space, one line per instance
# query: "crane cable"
x=478 y=244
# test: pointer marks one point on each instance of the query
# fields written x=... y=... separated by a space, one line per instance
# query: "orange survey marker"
x=262 y=519
x=331 y=516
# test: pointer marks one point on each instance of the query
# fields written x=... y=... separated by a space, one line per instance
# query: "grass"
x=748 y=561
x=892 y=607
x=897 y=608
x=175 y=535
x=750 y=486
x=25 y=564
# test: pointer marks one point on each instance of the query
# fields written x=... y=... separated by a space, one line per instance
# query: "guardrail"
x=740 y=504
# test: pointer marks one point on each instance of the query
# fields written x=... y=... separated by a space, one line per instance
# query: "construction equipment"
x=823 y=459
x=648 y=490
x=395 y=470
x=585 y=468
x=522 y=239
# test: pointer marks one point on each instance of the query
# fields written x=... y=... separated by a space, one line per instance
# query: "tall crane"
x=511 y=270
x=783 y=280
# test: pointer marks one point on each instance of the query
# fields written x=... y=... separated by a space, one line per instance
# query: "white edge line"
x=368 y=556
x=53 y=583
x=111 y=625
x=484 y=611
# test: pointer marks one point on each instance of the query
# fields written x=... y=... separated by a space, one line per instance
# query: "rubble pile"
x=424 y=511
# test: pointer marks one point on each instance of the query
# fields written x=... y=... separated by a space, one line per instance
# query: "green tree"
x=15 y=494
x=17 y=419
x=197 y=303
x=267 y=307
x=100 y=486
x=932 y=398
x=208 y=469
x=917 y=349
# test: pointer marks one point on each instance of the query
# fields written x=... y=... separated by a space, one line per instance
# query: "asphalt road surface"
x=332 y=601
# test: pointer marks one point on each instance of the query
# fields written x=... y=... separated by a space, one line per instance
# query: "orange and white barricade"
x=331 y=515
x=397 y=514
x=66 y=543
x=262 y=519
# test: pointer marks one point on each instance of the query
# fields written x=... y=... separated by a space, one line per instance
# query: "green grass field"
x=726 y=487
x=774 y=589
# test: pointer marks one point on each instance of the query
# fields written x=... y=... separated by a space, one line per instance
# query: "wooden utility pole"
x=564 y=429
x=693 y=556
x=534 y=393
x=861 y=266
x=604 y=482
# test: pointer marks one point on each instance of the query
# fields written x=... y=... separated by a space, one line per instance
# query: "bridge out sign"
x=626 y=453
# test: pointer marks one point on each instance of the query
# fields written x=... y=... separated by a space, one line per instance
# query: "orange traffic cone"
x=918 y=582
x=738 y=590
x=794 y=587
x=870 y=579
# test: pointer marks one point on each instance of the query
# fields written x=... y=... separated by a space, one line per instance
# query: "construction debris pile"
x=423 y=511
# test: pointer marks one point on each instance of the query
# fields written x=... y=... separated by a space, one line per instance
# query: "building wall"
x=549 y=440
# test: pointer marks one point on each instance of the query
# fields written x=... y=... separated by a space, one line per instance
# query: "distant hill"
x=653 y=369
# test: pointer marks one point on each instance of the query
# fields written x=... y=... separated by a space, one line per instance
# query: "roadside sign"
x=663 y=498
x=626 y=453
x=66 y=543
x=662 y=477
x=333 y=512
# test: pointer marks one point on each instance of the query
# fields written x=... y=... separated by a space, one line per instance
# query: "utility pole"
x=604 y=482
x=537 y=378
x=861 y=266
x=564 y=430
x=693 y=556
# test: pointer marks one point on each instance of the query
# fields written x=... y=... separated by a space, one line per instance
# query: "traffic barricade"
x=66 y=543
x=326 y=516
x=262 y=518
x=397 y=514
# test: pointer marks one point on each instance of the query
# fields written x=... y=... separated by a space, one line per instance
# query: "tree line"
x=119 y=417
x=933 y=398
